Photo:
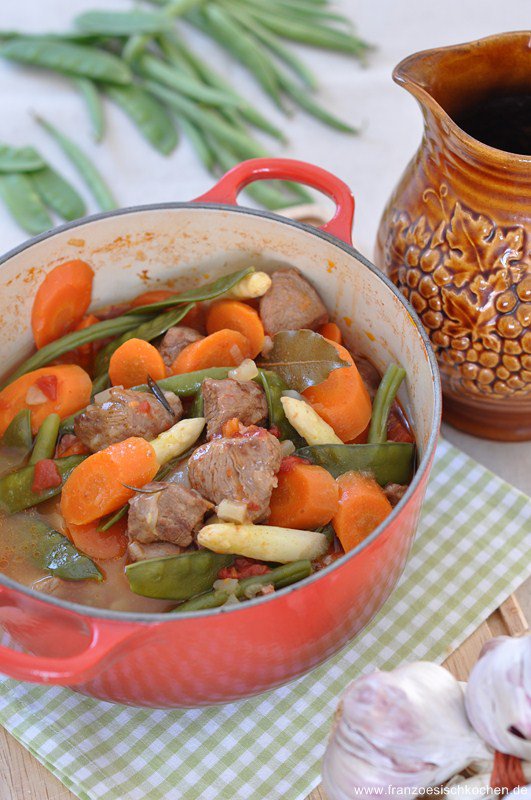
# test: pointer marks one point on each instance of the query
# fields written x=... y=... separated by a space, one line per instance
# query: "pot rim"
x=425 y=462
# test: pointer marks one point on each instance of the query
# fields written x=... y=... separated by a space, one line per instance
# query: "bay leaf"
x=302 y=358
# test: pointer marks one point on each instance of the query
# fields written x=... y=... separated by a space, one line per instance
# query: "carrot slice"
x=331 y=332
x=239 y=317
x=62 y=390
x=362 y=507
x=102 y=545
x=342 y=399
x=224 y=348
x=96 y=487
x=133 y=362
x=194 y=318
x=61 y=301
x=306 y=497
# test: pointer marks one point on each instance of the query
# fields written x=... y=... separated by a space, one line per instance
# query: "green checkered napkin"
x=471 y=551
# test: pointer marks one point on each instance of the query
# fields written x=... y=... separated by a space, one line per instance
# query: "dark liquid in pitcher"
x=503 y=121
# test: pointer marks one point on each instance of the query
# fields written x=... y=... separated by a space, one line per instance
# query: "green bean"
x=24 y=204
x=62 y=56
x=209 y=291
x=92 y=98
x=151 y=117
x=272 y=43
x=147 y=330
x=100 y=330
x=279 y=577
x=199 y=142
x=18 y=434
x=178 y=53
x=242 y=45
x=167 y=74
x=123 y=23
x=46 y=439
x=188 y=385
x=311 y=107
x=203 y=118
x=20 y=159
x=93 y=180
x=387 y=390
x=198 y=406
x=176 y=577
x=57 y=555
x=58 y=194
x=15 y=489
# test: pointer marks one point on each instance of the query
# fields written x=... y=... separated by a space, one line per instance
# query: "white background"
x=370 y=163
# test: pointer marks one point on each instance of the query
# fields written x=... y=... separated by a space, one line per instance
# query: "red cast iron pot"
x=166 y=660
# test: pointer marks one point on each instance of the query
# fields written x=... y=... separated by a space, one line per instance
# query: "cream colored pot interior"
x=186 y=246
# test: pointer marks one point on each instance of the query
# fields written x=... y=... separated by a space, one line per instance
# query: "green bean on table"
x=83 y=164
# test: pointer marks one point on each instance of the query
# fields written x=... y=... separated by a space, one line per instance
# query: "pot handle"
x=66 y=671
x=229 y=186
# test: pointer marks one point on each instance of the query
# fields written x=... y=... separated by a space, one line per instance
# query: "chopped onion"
x=232 y=511
x=105 y=395
x=34 y=396
x=287 y=448
x=245 y=372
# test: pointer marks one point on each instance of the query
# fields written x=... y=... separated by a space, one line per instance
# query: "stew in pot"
x=189 y=450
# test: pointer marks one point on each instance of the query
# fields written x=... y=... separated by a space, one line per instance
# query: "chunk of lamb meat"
x=240 y=468
x=142 y=552
x=291 y=303
x=125 y=413
x=171 y=514
x=224 y=400
x=175 y=340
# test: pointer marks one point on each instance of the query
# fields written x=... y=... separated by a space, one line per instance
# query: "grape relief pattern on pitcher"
x=470 y=282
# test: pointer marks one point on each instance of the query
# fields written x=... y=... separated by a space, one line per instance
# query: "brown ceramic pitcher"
x=456 y=233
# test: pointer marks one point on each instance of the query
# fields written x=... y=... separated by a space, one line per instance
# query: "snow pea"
x=20 y=159
x=189 y=384
x=157 y=70
x=90 y=94
x=206 y=292
x=46 y=439
x=122 y=23
x=15 y=489
x=87 y=171
x=18 y=433
x=279 y=577
x=176 y=577
x=24 y=204
x=389 y=462
x=58 y=194
x=151 y=117
x=56 y=554
x=63 y=56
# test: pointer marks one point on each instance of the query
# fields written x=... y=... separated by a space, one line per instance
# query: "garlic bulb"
x=406 y=728
x=498 y=695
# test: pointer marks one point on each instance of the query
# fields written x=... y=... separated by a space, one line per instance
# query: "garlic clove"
x=406 y=728
x=498 y=695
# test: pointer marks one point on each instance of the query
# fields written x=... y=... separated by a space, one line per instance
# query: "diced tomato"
x=45 y=476
x=287 y=464
x=231 y=428
x=48 y=386
x=243 y=568
x=144 y=407
x=274 y=430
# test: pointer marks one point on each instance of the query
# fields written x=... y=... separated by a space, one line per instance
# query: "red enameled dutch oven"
x=166 y=660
